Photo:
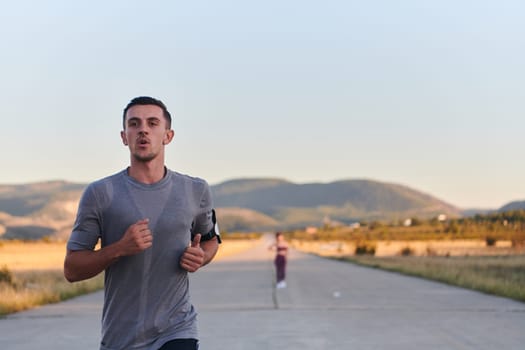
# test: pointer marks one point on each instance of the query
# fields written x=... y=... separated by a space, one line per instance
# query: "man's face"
x=146 y=132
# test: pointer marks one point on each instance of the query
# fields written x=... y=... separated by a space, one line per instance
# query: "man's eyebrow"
x=130 y=119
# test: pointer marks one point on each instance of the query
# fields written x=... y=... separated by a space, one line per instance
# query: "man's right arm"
x=83 y=264
x=80 y=265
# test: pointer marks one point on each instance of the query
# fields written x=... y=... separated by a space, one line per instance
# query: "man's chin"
x=144 y=157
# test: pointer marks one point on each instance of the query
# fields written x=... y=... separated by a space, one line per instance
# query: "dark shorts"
x=181 y=344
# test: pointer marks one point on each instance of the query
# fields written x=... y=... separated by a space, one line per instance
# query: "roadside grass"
x=28 y=289
x=498 y=275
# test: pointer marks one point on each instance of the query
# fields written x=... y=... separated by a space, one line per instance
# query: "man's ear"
x=124 y=138
x=168 y=136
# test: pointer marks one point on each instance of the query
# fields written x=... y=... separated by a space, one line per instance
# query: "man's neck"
x=147 y=173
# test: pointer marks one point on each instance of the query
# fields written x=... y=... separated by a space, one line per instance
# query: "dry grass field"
x=32 y=256
x=31 y=273
x=35 y=256
x=231 y=247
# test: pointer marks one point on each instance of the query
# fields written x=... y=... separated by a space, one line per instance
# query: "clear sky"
x=429 y=94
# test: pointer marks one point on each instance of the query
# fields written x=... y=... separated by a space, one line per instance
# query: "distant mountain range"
x=346 y=201
x=513 y=206
x=31 y=211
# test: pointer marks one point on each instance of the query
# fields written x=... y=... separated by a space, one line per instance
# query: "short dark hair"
x=146 y=100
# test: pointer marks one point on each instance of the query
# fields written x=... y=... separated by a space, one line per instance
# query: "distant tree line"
x=511 y=216
x=492 y=227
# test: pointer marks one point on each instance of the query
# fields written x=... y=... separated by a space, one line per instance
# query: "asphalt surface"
x=327 y=305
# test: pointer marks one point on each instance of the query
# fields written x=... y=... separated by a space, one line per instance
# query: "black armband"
x=214 y=232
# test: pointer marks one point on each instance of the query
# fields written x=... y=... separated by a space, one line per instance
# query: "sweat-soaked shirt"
x=146 y=296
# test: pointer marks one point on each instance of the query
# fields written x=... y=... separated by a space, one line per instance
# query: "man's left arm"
x=206 y=236
x=210 y=248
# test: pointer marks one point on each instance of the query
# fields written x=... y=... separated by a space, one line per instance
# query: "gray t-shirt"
x=146 y=299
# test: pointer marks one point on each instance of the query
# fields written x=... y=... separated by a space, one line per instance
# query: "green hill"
x=25 y=199
x=516 y=205
x=242 y=219
x=346 y=201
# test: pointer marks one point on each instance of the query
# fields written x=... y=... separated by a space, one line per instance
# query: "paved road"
x=327 y=305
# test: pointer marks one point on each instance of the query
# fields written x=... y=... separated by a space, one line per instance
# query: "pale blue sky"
x=429 y=94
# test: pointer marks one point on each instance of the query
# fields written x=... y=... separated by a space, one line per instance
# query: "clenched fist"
x=137 y=238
